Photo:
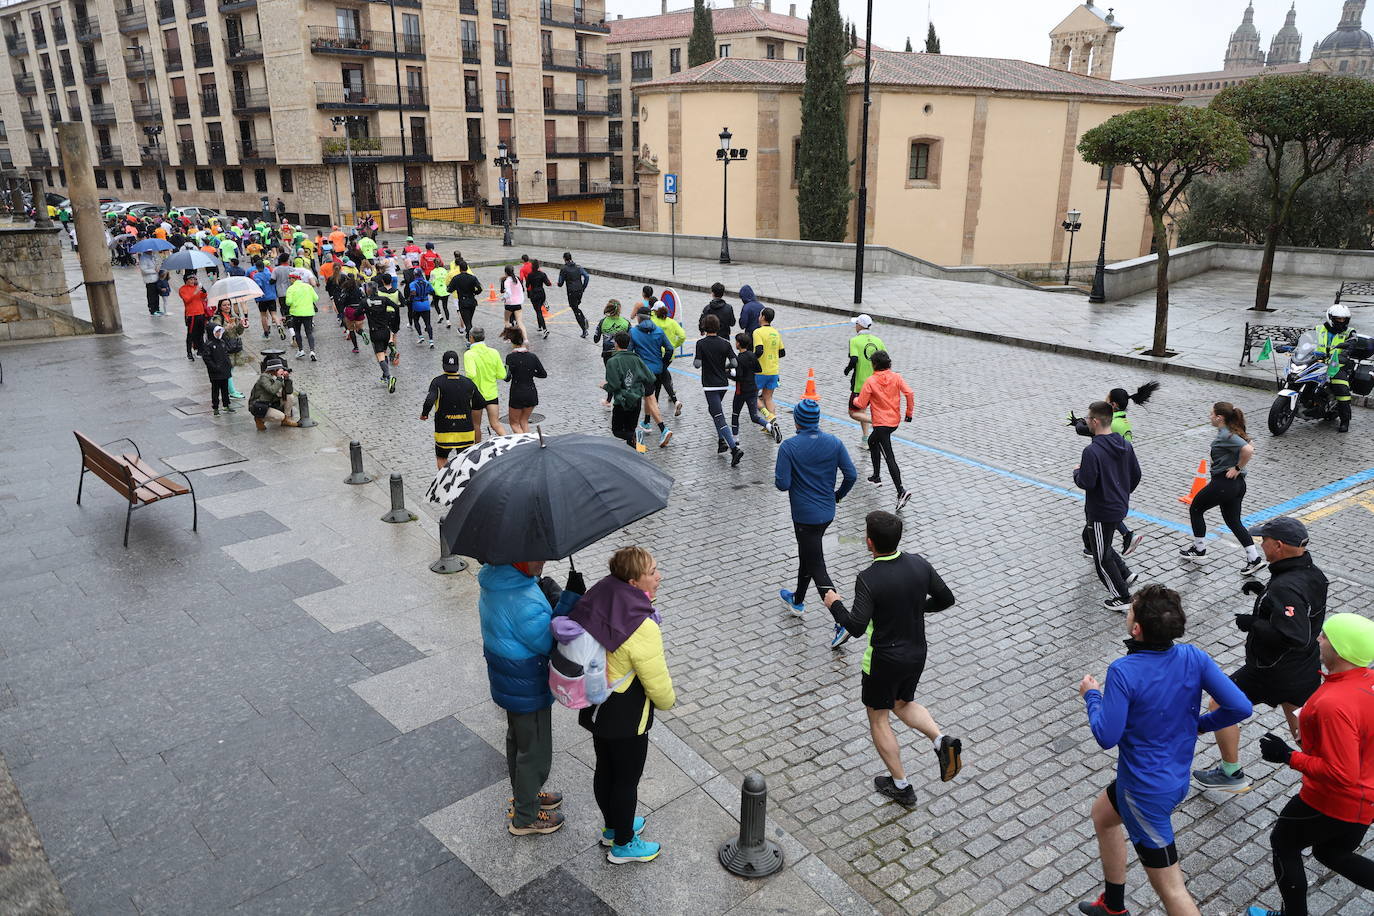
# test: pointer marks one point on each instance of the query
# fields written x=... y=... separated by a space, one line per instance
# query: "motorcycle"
x=1306 y=392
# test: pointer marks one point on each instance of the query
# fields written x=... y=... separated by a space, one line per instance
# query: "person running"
x=1108 y=473
x=1149 y=710
x=513 y=296
x=1231 y=451
x=456 y=404
x=1282 y=664
x=194 y=307
x=720 y=310
x=383 y=322
x=611 y=324
x=577 y=280
x=429 y=259
x=648 y=340
x=438 y=281
x=484 y=366
x=1332 y=812
x=676 y=337
x=768 y=349
x=746 y=389
x=1120 y=399
x=300 y=306
x=522 y=368
x=882 y=394
x=627 y=381
x=536 y=285
x=467 y=288
x=891 y=599
x=805 y=471
x=525 y=267
x=716 y=360
x=353 y=309
x=862 y=346
x=421 y=293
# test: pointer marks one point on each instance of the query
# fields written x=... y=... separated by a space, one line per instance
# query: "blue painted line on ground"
x=1311 y=496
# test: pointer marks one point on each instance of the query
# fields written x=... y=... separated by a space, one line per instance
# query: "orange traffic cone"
x=810 y=393
x=1199 y=482
x=491 y=296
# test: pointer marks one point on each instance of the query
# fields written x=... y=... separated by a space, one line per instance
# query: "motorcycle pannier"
x=1362 y=380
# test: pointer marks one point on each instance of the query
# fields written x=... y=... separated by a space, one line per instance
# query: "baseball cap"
x=1284 y=528
x=862 y=321
x=450 y=361
x=1352 y=636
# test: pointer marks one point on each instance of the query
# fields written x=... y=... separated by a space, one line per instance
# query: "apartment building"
x=646 y=48
x=240 y=99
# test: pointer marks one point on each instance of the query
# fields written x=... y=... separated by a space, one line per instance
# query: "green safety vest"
x=1327 y=341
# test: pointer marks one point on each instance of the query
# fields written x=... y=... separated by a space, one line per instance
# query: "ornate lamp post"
x=504 y=158
x=727 y=154
x=1099 y=293
x=346 y=122
x=1071 y=225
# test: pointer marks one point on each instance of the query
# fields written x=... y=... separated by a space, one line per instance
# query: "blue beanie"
x=807 y=414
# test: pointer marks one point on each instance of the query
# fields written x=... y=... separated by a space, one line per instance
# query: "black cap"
x=1284 y=528
x=450 y=361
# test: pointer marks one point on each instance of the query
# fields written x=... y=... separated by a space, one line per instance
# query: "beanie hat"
x=1352 y=636
x=807 y=414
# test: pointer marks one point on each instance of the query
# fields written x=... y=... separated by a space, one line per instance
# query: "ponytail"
x=1119 y=397
x=1233 y=416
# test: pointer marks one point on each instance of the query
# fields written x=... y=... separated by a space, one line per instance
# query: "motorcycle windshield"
x=1305 y=351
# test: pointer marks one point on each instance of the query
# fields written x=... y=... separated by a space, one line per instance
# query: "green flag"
x=1267 y=350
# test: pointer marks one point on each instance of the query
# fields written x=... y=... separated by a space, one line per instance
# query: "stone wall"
x=1126 y=278
x=31 y=268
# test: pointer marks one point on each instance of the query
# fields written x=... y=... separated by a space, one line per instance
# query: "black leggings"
x=717 y=412
x=441 y=302
x=466 y=312
x=1333 y=844
x=664 y=382
x=539 y=313
x=619 y=765
x=575 y=303
x=219 y=391
x=424 y=316
x=304 y=326
x=741 y=401
x=1226 y=492
x=880 y=446
x=810 y=560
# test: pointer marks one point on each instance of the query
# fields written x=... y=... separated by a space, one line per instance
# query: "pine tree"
x=932 y=40
x=823 y=194
x=908 y=44
x=701 y=47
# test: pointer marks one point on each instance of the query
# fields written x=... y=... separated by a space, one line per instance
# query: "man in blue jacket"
x=1108 y=474
x=805 y=470
x=515 y=612
x=1149 y=709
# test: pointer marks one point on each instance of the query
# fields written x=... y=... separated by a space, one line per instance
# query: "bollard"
x=398 y=514
x=355 y=460
x=447 y=563
x=751 y=855
x=305 y=419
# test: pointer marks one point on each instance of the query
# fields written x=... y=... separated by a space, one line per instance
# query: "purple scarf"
x=612 y=611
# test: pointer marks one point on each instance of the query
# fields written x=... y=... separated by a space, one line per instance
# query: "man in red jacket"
x=1336 y=804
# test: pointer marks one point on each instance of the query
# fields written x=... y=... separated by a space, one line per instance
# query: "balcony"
x=248 y=101
x=40 y=38
x=201 y=54
x=561 y=188
x=209 y=104
x=501 y=54
x=55 y=116
x=215 y=151
x=472 y=101
x=334 y=149
x=59 y=32
x=613 y=73
x=39 y=158
x=181 y=107
x=195 y=9
x=87 y=30
x=369 y=98
x=33 y=119
x=505 y=101
x=108 y=154
x=166 y=11
x=467 y=7
x=25 y=84
x=130 y=21
x=6 y=159
x=243 y=48
x=328 y=39
x=139 y=65
x=613 y=104
x=472 y=51
x=477 y=150
x=586 y=62
x=500 y=9
x=103 y=114
x=617 y=141
x=572 y=103
x=577 y=146
x=172 y=57
x=641 y=74
x=49 y=80
x=95 y=71
x=68 y=75
x=73 y=112
x=17 y=43
x=233 y=6
x=575 y=16
x=186 y=152
x=257 y=151
x=146 y=110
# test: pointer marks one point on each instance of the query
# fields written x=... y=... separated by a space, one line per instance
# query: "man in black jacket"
x=891 y=599
x=725 y=315
x=576 y=280
x=383 y=303
x=1108 y=474
x=455 y=401
x=1282 y=660
x=467 y=288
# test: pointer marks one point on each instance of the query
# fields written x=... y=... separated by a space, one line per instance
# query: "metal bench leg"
x=128 y=516
x=81 y=482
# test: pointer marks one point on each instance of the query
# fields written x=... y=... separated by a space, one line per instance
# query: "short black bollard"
x=355 y=460
x=751 y=855
x=398 y=513
x=306 y=421
x=448 y=563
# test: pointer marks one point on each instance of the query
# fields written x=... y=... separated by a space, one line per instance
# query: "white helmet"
x=1338 y=318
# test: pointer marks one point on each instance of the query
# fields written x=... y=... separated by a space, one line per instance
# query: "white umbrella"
x=448 y=484
x=189 y=260
x=234 y=288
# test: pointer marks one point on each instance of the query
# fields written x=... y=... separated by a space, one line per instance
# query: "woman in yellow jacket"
x=618 y=612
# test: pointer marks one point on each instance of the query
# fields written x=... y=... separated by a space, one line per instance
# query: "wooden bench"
x=131 y=478
x=1257 y=334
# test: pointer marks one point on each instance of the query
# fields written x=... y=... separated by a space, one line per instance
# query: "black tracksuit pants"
x=1111 y=569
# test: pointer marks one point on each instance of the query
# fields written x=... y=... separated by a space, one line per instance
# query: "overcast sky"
x=1161 y=36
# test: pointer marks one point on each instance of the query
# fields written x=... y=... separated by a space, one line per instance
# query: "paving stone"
x=401 y=855
x=427 y=690
x=335 y=886
x=451 y=888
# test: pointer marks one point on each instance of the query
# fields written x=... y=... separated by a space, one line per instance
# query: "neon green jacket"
x=300 y=299
x=484 y=366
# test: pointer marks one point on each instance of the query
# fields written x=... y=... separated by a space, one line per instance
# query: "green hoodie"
x=628 y=380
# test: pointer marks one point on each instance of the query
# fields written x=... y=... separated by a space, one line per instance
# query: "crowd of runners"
x=1310 y=664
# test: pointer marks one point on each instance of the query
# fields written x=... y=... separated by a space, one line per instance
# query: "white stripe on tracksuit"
x=1102 y=544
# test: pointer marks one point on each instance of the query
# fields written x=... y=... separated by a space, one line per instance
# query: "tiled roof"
x=1205 y=75
x=894 y=68
x=726 y=21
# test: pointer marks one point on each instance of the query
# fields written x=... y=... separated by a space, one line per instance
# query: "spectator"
x=272 y=396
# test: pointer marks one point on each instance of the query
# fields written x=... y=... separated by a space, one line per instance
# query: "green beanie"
x=1352 y=636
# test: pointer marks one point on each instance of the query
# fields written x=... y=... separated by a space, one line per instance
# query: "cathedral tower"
x=1243 y=53
x=1286 y=48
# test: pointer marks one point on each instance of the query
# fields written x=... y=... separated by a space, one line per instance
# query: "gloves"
x=1245 y=622
x=575 y=584
x=1072 y=420
x=906 y=419
x=1274 y=749
x=1251 y=587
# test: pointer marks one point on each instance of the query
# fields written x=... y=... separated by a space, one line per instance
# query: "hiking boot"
x=637 y=850
x=1193 y=552
x=608 y=835
x=1119 y=605
x=840 y=638
x=950 y=756
x=1098 y=908
x=789 y=599
x=1217 y=780
x=886 y=786
x=260 y=423
x=1254 y=567
x=736 y=454
x=290 y=422
x=548 y=801
x=544 y=822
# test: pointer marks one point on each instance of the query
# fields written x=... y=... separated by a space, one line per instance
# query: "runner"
x=300 y=305
x=768 y=349
x=420 y=296
x=882 y=394
x=353 y=309
x=536 y=283
x=383 y=321
x=1231 y=451
x=862 y=346
x=720 y=309
x=714 y=357
x=1120 y=399
x=676 y=338
x=485 y=368
x=268 y=301
x=455 y=401
x=522 y=368
x=467 y=288
x=746 y=389
x=513 y=295
x=1149 y=711
x=1333 y=811
x=627 y=381
x=438 y=281
x=891 y=599
x=1108 y=474
x=577 y=281
x=648 y=340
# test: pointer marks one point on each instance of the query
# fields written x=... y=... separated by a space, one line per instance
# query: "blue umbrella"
x=189 y=260
x=151 y=245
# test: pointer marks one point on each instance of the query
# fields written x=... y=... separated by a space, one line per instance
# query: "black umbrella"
x=549 y=501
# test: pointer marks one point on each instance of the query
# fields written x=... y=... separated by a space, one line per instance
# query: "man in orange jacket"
x=1336 y=805
x=882 y=394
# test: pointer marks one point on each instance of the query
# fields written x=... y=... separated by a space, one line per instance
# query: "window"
x=641 y=65
x=233 y=179
x=205 y=180
x=674 y=60
x=613 y=67
x=796 y=161
x=119 y=178
x=801 y=53
x=503 y=95
x=181 y=179
x=472 y=90
x=723 y=51
x=260 y=180
x=135 y=180
x=100 y=180
x=410 y=33
x=770 y=51
x=349 y=23
x=287 y=184
x=923 y=163
x=919 y=167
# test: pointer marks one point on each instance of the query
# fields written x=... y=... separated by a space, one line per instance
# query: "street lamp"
x=1071 y=225
x=727 y=154
x=1099 y=293
x=506 y=157
x=861 y=212
x=346 y=122
x=400 y=110
x=154 y=133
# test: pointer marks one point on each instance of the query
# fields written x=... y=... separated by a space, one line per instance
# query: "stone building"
x=243 y=99
x=1243 y=51
x=1085 y=42
x=1286 y=47
x=1349 y=49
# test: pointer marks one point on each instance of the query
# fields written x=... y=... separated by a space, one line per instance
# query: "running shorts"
x=853 y=396
x=268 y=306
x=380 y=344
x=1271 y=689
x=513 y=307
x=884 y=684
x=766 y=382
x=1148 y=824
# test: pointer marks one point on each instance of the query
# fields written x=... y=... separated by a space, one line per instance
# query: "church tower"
x=1349 y=49
x=1243 y=53
x=1286 y=48
x=1085 y=41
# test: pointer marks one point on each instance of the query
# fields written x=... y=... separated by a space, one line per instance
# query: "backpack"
x=578 y=675
x=420 y=288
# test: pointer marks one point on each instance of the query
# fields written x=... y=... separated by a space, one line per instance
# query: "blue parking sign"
x=669 y=183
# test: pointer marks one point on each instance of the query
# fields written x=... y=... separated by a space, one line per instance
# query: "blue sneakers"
x=608 y=835
x=840 y=638
x=1261 y=911
x=637 y=850
x=787 y=599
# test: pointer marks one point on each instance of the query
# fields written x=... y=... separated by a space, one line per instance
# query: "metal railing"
x=334 y=149
x=472 y=101
x=501 y=53
x=248 y=99
x=25 y=83
x=39 y=157
x=472 y=51
x=59 y=33
x=33 y=119
x=467 y=7
x=166 y=10
x=186 y=152
x=561 y=14
x=500 y=9
x=73 y=112
x=132 y=20
x=102 y=114
x=202 y=55
x=328 y=39
x=17 y=43
x=229 y=6
x=613 y=104
x=6 y=159
x=505 y=100
x=576 y=146
x=572 y=102
x=94 y=71
x=209 y=103
x=477 y=151
x=342 y=95
x=576 y=187
x=68 y=75
x=588 y=61
x=49 y=80
x=617 y=141
x=257 y=151
x=195 y=9
x=108 y=153
x=215 y=151
x=181 y=106
x=243 y=47
x=146 y=110
x=641 y=74
x=40 y=38
x=139 y=65
x=172 y=57
x=87 y=29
